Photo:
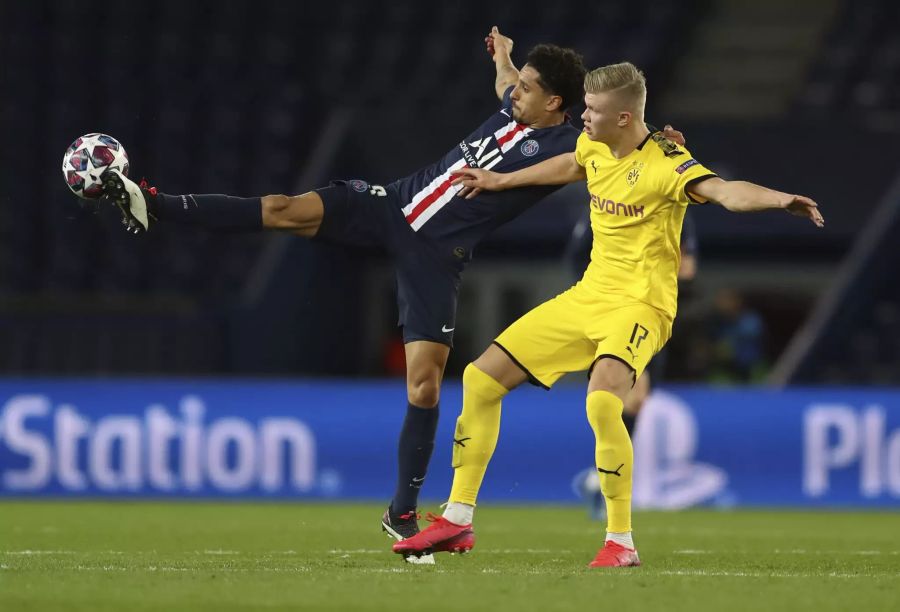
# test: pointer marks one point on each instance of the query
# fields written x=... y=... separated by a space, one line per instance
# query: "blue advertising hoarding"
x=296 y=440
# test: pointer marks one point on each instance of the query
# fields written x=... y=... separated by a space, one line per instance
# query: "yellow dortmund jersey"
x=637 y=208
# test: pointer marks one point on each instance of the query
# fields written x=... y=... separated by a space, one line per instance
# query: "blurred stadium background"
x=268 y=348
x=250 y=98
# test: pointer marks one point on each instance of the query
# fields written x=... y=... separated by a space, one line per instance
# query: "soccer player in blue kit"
x=428 y=230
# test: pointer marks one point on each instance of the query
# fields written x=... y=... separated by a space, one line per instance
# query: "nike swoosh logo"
x=447 y=331
x=422 y=479
x=503 y=111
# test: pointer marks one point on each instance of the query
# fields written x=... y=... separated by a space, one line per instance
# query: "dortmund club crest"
x=634 y=174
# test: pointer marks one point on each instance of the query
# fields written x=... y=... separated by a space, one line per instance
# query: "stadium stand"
x=858 y=67
x=222 y=98
x=213 y=97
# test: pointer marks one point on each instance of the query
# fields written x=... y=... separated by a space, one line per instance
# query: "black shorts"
x=360 y=214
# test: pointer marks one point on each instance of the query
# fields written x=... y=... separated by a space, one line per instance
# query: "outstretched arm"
x=500 y=47
x=557 y=170
x=741 y=196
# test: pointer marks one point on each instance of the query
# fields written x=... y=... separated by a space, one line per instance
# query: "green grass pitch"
x=242 y=556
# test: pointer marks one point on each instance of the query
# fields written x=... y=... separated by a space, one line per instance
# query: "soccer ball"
x=87 y=159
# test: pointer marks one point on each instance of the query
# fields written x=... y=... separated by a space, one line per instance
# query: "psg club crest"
x=530 y=148
x=359 y=186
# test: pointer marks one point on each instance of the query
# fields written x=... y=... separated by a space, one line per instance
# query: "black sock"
x=212 y=211
x=414 y=452
x=629 y=420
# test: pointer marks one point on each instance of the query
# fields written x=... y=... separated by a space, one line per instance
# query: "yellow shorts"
x=574 y=329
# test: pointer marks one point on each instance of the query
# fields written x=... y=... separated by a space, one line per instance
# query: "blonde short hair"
x=624 y=79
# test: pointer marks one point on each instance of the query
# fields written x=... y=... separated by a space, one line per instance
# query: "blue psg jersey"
x=434 y=211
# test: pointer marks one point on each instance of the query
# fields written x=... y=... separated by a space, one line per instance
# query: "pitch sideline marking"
x=793 y=551
x=306 y=569
x=727 y=574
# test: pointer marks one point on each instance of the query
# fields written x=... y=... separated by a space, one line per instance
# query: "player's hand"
x=498 y=43
x=802 y=206
x=674 y=135
x=474 y=181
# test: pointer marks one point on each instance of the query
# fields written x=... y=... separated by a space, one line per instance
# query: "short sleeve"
x=680 y=172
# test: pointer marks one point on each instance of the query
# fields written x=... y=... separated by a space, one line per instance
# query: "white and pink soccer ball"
x=87 y=159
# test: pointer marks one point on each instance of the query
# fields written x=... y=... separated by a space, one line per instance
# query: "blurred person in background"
x=737 y=335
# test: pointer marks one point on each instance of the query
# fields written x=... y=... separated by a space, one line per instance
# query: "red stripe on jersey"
x=510 y=134
x=426 y=202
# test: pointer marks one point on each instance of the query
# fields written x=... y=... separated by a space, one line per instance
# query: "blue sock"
x=415 y=446
x=212 y=211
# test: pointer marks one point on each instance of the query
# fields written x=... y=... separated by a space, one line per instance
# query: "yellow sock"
x=614 y=456
x=476 y=434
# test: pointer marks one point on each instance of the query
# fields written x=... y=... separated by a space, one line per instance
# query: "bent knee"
x=613 y=376
x=424 y=392
x=499 y=366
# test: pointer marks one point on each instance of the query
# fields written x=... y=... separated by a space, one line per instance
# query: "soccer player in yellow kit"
x=615 y=318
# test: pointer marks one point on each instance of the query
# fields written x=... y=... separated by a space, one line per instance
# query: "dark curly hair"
x=561 y=72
